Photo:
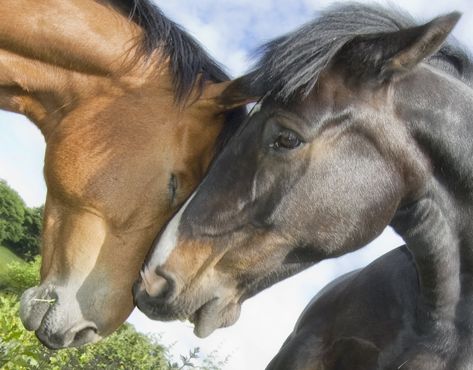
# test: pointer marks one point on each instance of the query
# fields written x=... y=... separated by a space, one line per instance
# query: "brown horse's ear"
x=229 y=94
x=388 y=54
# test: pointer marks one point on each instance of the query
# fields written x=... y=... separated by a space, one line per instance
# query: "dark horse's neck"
x=437 y=226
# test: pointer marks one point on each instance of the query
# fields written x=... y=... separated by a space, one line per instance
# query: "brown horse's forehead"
x=118 y=153
x=98 y=138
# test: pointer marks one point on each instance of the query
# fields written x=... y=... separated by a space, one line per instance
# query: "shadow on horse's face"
x=301 y=181
x=121 y=154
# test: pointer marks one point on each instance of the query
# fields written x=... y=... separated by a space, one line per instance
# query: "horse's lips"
x=213 y=315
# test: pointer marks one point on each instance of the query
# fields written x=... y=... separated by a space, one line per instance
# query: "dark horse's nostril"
x=157 y=285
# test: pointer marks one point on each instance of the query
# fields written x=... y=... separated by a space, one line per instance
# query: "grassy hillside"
x=6 y=257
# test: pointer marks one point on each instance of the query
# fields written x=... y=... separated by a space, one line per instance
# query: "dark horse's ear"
x=389 y=54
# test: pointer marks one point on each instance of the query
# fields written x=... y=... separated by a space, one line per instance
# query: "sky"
x=230 y=30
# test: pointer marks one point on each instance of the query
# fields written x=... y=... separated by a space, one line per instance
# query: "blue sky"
x=230 y=30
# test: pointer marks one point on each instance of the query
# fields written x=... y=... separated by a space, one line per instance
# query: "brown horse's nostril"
x=74 y=337
x=85 y=335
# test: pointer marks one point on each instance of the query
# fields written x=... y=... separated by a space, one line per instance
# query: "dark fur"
x=291 y=64
x=383 y=139
x=354 y=318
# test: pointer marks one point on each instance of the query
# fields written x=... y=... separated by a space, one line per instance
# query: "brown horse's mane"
x=187 y=58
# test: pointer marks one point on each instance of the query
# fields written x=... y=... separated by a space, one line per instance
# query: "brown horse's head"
x=129 y=115
x=343 y=138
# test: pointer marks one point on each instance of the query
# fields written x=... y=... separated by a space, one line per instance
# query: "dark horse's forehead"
x=330 y=100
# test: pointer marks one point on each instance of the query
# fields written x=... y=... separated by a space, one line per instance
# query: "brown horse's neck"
x=44 y=72
x=93 y=37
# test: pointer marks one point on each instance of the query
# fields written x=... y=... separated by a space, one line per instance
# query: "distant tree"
x=12 y=214
x=20 y=226
x=30 y=242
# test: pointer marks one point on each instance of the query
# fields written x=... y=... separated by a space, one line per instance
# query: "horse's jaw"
x=216 y=313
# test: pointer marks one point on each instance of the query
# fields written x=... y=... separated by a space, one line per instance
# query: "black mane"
x=291 y=64
x=187 y=58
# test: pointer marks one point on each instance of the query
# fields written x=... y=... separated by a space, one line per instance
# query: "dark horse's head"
x=335 y=145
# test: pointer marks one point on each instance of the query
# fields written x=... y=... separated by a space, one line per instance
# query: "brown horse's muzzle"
x=55 y=316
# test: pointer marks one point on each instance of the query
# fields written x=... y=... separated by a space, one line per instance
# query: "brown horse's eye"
x=286 y=140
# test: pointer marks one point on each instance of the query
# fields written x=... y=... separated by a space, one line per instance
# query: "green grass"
x=7 y=257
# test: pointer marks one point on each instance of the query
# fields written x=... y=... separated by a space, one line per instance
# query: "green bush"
x=29 y=244
x=21 y=275
x=125 y=349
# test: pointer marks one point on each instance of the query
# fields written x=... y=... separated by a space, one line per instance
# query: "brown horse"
x=365 y=122
x=125 y=101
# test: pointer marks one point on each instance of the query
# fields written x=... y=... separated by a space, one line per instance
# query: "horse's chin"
x=214 y=314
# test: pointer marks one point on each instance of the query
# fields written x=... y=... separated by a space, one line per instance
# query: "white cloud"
x=231 y=30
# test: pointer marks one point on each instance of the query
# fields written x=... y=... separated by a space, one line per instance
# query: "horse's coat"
x=366 y=123
x=127 y=105
x=356 y=319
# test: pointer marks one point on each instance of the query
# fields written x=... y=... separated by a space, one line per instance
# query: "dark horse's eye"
x=286 y=140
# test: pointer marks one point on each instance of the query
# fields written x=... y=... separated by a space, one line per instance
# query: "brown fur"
x=114 y=136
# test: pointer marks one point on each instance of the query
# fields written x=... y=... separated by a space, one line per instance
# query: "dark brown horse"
x=126 y=102
x=365 y=122
x=355 y=322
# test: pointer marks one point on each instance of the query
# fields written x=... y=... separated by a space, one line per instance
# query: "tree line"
x=20 y=226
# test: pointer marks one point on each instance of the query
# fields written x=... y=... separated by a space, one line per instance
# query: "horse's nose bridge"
x=168 y=241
